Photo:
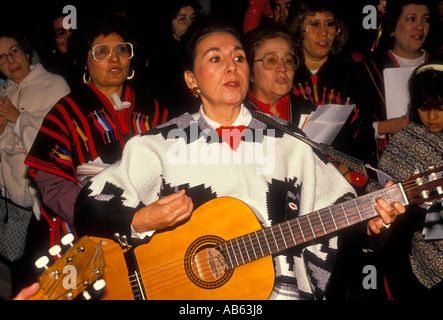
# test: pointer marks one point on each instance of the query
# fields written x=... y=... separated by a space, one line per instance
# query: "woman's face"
x=61 y=35
x=316 y=47
x=16 y=68
x=110 y=72
x=411 y=30
x=220 y=71
x=432 y=119
x=269 y=85
x=185 y=17
x=281 y=11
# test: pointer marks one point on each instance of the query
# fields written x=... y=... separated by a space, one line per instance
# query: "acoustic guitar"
x=222 y=252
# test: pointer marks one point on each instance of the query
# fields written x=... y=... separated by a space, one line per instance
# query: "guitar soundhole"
x=205 y=264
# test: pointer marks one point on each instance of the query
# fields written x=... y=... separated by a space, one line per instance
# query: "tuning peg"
x=69 y=296
x=68 y=239
x=42 y=262
x=55 y=251
x=420 y=182
x=122 y=240
x=86 y=295
x=97 y=286
x=432 y=177
x=439 y=189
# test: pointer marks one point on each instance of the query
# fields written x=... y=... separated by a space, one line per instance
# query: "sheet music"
x=396 y=91
x=323 y=124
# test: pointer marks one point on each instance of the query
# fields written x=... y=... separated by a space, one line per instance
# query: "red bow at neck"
x=231 y=135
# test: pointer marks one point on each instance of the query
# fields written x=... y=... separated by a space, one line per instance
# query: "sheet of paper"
x=396 y=91
x=324 y=123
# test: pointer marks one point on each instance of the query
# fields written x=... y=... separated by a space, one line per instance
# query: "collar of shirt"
x=37 y=71
x=243 y=119
x=283 y=106
x=410 y=63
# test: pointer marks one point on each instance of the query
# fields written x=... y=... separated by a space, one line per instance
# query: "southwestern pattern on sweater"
x=278 y=176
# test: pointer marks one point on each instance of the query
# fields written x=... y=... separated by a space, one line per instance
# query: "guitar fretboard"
x=287 y=234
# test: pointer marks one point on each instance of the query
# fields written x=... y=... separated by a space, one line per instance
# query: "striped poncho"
x=84 y=126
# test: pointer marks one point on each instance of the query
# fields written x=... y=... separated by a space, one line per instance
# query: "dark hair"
x=394 y=9
x=22 y=40
x=198 y=31
x=256 y=37
x=176 y=5
x=113 y=23
x=310 y=7
x=425 y=90
x=47 y=28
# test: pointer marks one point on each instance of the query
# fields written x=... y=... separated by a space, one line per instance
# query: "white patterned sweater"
x=276 y=174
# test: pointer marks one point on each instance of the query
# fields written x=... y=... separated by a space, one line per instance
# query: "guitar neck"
x=290 y=233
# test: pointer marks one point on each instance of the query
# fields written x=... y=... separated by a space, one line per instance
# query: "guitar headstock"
x=73 y=272
x=425 y=187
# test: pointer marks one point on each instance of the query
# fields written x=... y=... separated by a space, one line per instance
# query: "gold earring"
x=131 y=76
x=84 y=78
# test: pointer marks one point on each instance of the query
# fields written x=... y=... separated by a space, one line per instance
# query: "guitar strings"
x=180 y=264
x=173 y=273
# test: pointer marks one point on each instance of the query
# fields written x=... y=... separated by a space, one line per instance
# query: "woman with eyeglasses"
x=273 y=59
x=28 y=93
x=53 y=47
x=322 y=77
x=94 y=122
x=325 y=77
x=185 y=13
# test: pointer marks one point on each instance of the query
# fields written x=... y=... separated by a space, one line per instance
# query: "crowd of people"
x=110 y=96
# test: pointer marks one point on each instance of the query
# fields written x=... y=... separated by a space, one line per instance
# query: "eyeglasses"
x=314 y=28
x=271 y=61
x=184 y=19
x=102 y=52
x=14 y=52
x=61 y=33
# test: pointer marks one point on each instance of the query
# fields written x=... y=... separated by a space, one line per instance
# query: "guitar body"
x=182 y=264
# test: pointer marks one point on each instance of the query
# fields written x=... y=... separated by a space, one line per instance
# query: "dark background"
x=149 y=17
x=33 y=17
